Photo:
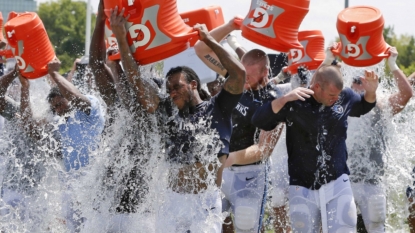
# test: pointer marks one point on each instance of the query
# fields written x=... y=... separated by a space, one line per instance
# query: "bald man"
x=320 y=193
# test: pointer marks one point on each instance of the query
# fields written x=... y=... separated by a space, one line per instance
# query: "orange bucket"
x=311 y=55
x=30 y=44
x=361 y=36
x=211 y=16
x=274 y=24
x=155 y=30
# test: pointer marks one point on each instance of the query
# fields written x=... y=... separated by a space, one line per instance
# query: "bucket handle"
x=238 y=21
x=386 y=54
x=337 y=49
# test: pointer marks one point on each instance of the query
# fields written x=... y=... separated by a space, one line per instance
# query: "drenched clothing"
x=80 y=135
x=316 y=136
x=331 y=207
x=245 y=134
x=190 y=134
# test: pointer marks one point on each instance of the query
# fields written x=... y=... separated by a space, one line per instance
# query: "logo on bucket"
x=262 y=16
x=296 y=55
x=299 y=55
x=357 y=51
x=142 y=33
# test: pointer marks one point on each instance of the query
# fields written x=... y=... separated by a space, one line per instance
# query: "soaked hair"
x=190 y=75
x=256 y=56
x=329 y=75
x=54 y=92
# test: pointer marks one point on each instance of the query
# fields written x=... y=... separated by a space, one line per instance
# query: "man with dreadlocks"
x=194 y=136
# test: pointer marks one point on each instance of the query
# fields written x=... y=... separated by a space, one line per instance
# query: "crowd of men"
x=215 y=146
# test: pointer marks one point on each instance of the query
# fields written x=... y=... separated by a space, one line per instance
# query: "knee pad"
x=246 y=214
x=300 y=218
x=278 y=197
x=377 y=208
x=347 y=212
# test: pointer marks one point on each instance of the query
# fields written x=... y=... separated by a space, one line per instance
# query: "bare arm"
x=5 y=82
x=145 y=89
x=234 y=84
x=257 y=152
x=208 y=56
x=124 y=90
x=31 y=127
x=103 y=75
x=398 y=100
x=67 y=89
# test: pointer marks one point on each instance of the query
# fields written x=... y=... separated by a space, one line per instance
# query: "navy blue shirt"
x=244 y=133
x=316 y=136
x=184 y=139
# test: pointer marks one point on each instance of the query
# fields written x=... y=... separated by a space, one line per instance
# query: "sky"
x=322 y=14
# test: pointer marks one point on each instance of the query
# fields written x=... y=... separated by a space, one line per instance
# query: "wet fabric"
x=187 y=136
x=244 y=134
x=80 y=135
x=316 y=136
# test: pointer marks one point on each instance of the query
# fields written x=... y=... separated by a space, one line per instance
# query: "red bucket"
x=211 y=16
x=311 y=55
x=361 y=36
x=274 y=24
x=30 y=44
x=155 y=30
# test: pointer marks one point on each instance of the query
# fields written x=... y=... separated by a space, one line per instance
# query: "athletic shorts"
x=245 y=189
x=331 y=207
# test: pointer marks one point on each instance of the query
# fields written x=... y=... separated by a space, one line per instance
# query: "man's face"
x=256 y=76
x=59 y=105
x=327 y=94
x=179 y=90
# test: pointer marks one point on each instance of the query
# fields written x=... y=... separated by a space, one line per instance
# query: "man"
x=200 y=129
x=79 y=126
x=245 y=197
x=366 y=157
x=126 y=133
x=316 y=121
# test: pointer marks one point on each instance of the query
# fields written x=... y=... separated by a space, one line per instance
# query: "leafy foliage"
x=64 y=21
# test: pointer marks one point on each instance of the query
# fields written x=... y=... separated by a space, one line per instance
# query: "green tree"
x=64 y=21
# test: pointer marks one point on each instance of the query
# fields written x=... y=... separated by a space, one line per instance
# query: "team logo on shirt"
x=338 y=109
x=242 y=109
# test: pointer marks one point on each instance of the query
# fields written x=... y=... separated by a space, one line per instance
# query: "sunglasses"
x=357 y=80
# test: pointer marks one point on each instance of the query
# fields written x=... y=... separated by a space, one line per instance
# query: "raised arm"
x=97 y=56
x=5 y=82
x=398 y=100
x=234 y=84
x=208 y=56
x=146 y=90
x=67 y=89
x=268 y=115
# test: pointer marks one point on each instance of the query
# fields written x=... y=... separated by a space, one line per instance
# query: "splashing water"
x=379 y=132
x=124 y=188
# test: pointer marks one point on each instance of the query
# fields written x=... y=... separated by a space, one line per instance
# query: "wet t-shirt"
x=244 y=133
x=80 y=135
x=206 y=130
x=316 y=136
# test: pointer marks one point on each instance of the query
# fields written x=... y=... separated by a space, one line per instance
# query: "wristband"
x=231 y=39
